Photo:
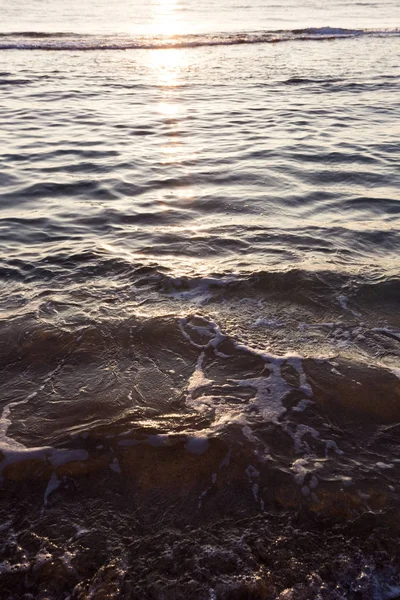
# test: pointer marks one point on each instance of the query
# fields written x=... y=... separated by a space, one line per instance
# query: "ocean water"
x=199 y=300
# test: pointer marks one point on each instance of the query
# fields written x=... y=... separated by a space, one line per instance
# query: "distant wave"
x=32 y=40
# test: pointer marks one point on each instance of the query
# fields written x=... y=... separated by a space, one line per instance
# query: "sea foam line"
x=31 y=40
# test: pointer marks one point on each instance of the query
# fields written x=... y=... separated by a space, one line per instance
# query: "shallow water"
x=200 y=334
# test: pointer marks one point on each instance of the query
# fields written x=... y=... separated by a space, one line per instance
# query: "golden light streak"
x=166 y=19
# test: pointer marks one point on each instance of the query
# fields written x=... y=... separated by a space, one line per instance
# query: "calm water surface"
x=200 y=331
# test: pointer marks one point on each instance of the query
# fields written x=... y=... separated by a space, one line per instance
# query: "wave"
x=33 y=40
x=302 y=286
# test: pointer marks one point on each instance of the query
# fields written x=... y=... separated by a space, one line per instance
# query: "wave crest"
x=32 y=40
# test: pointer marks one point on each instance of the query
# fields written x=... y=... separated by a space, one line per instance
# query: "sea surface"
x=199 y=300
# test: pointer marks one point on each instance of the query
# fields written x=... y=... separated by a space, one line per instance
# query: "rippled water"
x=200 y=331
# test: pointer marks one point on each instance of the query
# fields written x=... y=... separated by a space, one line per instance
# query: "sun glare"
x=167 y=62
x=169 y=66
x=166 y=19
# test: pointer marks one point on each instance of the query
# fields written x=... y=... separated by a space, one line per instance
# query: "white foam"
x=297 y=363
x=59 y=458
x=56 y=457
x=332 y=445
x=8 y=443
x=252 y=473
x=210 y=329
x=114 y=466
x=273 y=323
x=255 y=491
x=305 y=466
x=300 y=468
x=248 y=433
x=336 y=372
x=270 y=392
x=198 y=380
x=382 y=465
x=396 y=372
x=53 y=484
x=387 y=331
x=302 y=405
x=271 y=387
x=297 y=435
x=199 y=291
x=343 y=301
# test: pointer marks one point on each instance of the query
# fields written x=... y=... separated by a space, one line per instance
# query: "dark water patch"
x=304 y=287
x=377 y=205
x=36 y=231
x=7 y=178
x=15 y=81
x=39 y=222
x=340 y=158
x=81 y=167
x=53 y=189
x=300 y=81
x=153 y=218
x=345 y=176
x=72 y=150
x=141 y=132
x=377 y=150
x=334 y=84
x=37 y=34
x=242 y=558
x=354 y=87
x=8 y=274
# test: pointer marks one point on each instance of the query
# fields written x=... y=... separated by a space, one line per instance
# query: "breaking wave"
x=32 y=40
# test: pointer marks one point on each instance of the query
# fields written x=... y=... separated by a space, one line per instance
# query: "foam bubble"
x=53 y=484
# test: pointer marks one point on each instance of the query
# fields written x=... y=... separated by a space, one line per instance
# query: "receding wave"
x=32 y=40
